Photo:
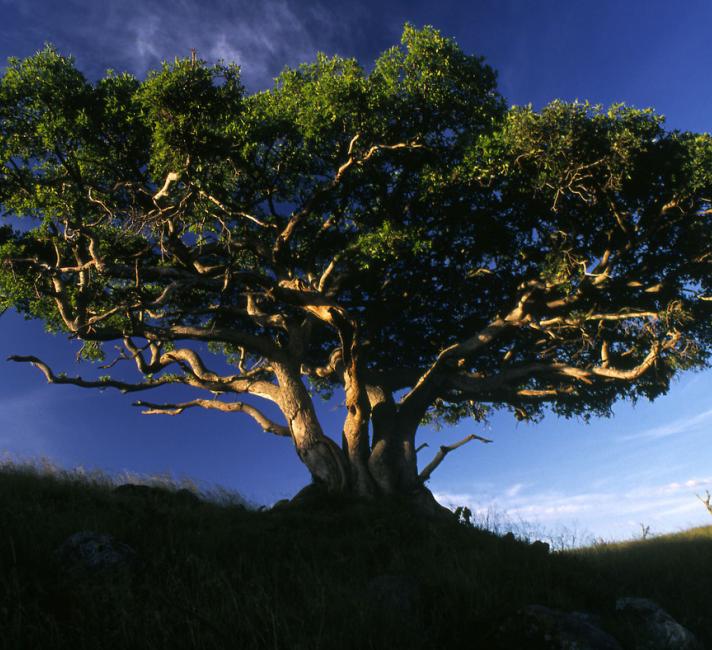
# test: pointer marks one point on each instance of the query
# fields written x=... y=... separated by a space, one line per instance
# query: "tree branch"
x=124 y=387
x=171 y=178
x=706 y=501
x=444 y=451
x=472 y=385
x=227 y=407
x=191 y=362
x=297 y=217
x=418 y=394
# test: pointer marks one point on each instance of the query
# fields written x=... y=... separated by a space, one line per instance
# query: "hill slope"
x=328 y=575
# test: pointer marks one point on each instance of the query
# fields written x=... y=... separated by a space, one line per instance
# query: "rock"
x=658 y=630
x=540 y=627
x=397 y=595
x=150 y=492
x=541 y=548
x=94 y=551
x=310 y=495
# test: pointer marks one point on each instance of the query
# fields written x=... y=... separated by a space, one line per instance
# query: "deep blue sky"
x=645 y=465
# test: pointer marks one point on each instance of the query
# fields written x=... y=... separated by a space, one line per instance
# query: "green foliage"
x=91 y=351
x=192 y=112
x=443 y=413
x=419 y=201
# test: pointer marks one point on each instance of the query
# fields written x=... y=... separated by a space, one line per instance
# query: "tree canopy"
x=397 y=233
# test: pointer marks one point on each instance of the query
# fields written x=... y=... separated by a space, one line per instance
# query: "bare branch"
x=297 y=217
x=466 y=348
x=505 y=383
x=334 y=367
x=260 y=345
x=171 y=178
x=229 y=212
x=625 y=315
x=227 y=407
x=444 y=451
x=192 y=363
x=124 y=387
x=706 y=501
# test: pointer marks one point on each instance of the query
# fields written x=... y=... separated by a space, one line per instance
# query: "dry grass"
x=217 y=575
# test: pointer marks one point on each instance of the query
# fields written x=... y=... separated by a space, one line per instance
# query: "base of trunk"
x=316 y=496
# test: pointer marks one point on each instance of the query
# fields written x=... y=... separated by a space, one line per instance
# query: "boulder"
x=654 y=628
x=150 y=492
x=94 y=551
x=536 y=626
x=540 y=548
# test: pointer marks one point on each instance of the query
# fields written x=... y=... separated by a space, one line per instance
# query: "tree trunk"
x=393 y=462
x=390 y=469
x=358 y=413
x=322 y=456
x=382 y=461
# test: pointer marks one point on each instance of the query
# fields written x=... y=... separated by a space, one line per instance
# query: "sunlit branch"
x=228 y=212
x=124 y=387
x=227 y=407
x=631 y=315
x=297 y=217
x=334 y=367
x=191 y=362
x=444 y=451
x=171 y=178
x=464 y=349
x=472 y=385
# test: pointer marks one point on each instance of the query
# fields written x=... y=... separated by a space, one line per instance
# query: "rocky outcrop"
x=536 y=626
x=639 y=624
x=654 y=628
x=182 y=497
x=94 y=551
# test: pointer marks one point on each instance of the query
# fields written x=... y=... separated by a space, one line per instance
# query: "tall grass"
x=218 y=575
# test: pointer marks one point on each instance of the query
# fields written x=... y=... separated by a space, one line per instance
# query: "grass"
x=216 y=575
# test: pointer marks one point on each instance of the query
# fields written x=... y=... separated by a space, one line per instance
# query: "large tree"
x=397 y=234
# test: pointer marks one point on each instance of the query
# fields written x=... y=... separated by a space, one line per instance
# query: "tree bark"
x=322 y=456
x=382 y=460
x=393 y=462
x=358 y=408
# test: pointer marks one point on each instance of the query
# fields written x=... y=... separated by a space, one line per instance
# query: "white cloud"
x=137 y=36
x=613 y=512
x=260 y=36
x=145 y=32
x=514 y=490
x=683 y=425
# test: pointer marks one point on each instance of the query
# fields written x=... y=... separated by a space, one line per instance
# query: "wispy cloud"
x=612 y=512
x=689 y=424
x=262 y=36
x=514 y=490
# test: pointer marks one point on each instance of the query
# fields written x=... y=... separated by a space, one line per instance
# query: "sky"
x=606 y=480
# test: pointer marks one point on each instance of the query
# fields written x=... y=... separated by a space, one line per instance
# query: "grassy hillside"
x=219 y=576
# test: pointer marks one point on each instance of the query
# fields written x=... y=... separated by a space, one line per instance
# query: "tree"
x=397 y=234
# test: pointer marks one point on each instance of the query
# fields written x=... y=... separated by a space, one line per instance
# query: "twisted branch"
x=124 y=387
x=444 y=451
x=227 y=407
